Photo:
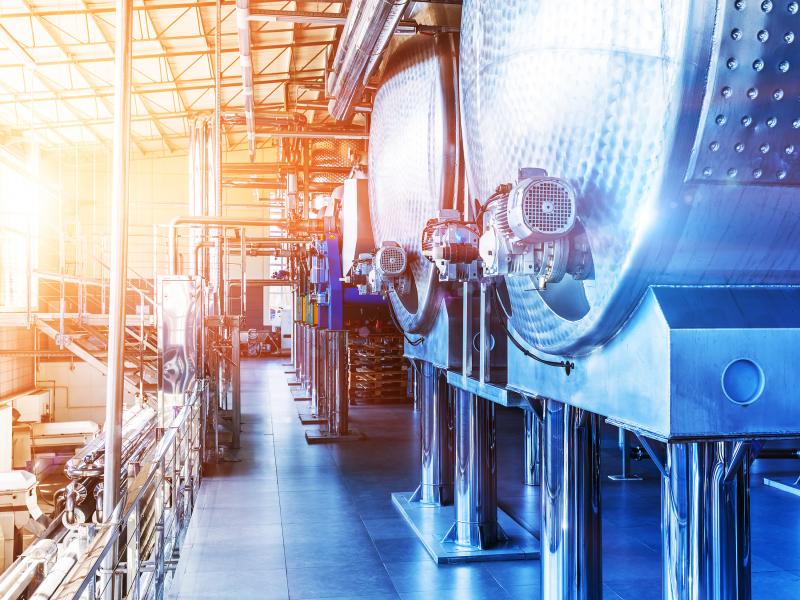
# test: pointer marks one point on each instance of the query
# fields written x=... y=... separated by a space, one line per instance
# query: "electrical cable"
x=567 y=365
x=416 y=342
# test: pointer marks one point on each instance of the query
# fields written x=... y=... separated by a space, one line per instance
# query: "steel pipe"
x=436 y=438
x=571 y=533
x=475 y=488
x=705 y=504
x=533 y=451
x=313 y=135
x=211 y=221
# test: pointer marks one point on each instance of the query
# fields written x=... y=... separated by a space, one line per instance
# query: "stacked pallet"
x=377 y=369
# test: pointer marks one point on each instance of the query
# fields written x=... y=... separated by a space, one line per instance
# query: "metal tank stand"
x=705 y=518
x=302 y=393
x=570 y=498
x=472 y=529
x=314 y=413
x=337 y=428
x=436 y=438
x=533 y=447
x=624 y=449
x=297 y=356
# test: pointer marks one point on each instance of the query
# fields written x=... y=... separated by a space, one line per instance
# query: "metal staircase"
x=81 y=326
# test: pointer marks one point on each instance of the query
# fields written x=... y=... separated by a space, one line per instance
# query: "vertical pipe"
x=571 y=531
x=475 y=488
x=115 y=392
x=706 y=523
x=533 y=453
x=436 y=438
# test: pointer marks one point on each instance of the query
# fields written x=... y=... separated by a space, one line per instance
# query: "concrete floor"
x=296 y=521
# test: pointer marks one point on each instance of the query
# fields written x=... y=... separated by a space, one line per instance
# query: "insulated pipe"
x=533 y=453
x=436 y=438
x=211 y=220
x=246 y=63
x=571 y=533
x=115 y=380
x=369 y=26
x=338 y=396
x=475 y=489
x=705 y=508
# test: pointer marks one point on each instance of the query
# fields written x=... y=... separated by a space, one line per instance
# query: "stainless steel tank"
x=414 y=161
x=678 y=124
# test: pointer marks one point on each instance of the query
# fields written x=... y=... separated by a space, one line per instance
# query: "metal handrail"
x=170 y=461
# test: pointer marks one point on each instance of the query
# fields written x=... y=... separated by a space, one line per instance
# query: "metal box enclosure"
x=692 y=362
x=180 y=317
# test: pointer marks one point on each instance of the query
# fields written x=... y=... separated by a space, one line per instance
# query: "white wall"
x=80 y=390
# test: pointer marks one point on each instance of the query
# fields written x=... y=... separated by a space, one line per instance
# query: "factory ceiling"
x=57 y=67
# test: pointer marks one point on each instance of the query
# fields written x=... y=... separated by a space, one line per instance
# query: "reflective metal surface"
x=413 y=161
x=316 y=371
x=571 y=534
x=533 y=448
x=308 y=339
x=179 y=320
x=675 y=122
x=706 y=521
x=436 y=438
x=338 y=397
x=693 y=362
x=476 y=473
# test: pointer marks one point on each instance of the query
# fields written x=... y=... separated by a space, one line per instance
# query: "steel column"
x=115 y=383
x=571 y=532
x=436 y=438
x=475 y=489
x=705 y=523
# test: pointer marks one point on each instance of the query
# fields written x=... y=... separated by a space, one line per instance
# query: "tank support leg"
x=571 y=531
x=533 y=448
x=436 y=438
x=705 y=504
x=475 y=493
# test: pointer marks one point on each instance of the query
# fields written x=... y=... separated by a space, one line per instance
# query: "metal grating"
x=392 y=260
x=547 y=207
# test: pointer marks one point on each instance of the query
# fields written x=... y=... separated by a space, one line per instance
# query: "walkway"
x=302 y=522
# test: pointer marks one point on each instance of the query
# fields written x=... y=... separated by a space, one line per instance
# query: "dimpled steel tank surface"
x=677 y=123
x=413 y=159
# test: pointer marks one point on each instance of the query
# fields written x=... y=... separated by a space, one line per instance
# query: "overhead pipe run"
x=211 y=221
x=246 y=63
x=370 y=24
x=314 y=135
